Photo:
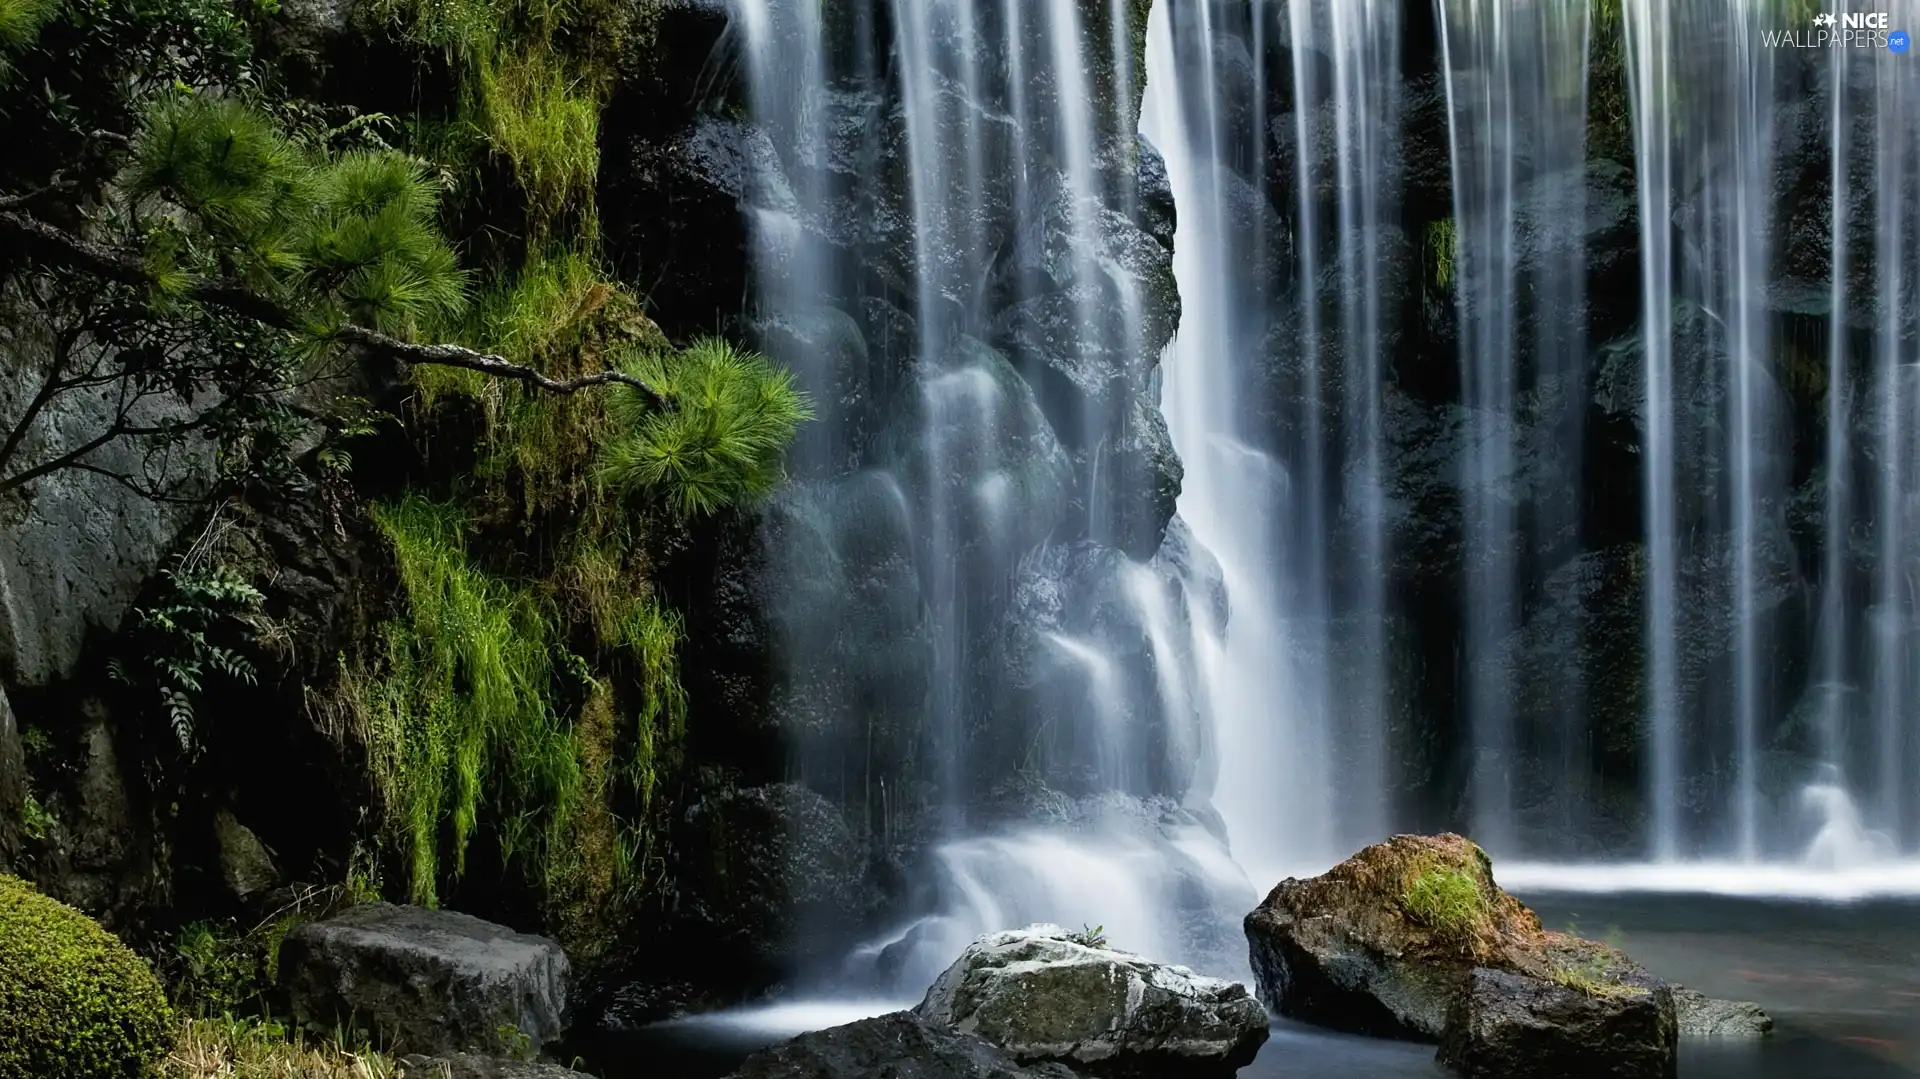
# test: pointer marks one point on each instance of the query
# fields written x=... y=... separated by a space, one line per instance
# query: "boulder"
x=428 y=981
x=246 y=866
x=1702 y=1016
x=1043 y=994
x=1385 y=942
x=897 y=1046
x=1512 y=1026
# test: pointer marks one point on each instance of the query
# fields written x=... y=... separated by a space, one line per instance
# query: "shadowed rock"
x=1511 y=1026
x=427 y=981
x=897 y=1046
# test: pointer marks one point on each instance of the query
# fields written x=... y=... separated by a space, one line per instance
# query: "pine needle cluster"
x=350 y=238
x=720 y=440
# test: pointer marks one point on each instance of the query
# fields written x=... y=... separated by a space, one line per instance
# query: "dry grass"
x=1593 y=979
x=250 y=1049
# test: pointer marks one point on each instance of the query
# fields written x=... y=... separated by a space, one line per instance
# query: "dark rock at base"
x=1511 y=1026
x=1702 y=1016
x=1042 y=994
x=897 y=1046
x=427 y=981
x=469 y=1066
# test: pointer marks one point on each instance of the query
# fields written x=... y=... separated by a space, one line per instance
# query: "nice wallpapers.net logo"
x=1848 y=29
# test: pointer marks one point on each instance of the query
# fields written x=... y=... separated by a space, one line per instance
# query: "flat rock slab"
x=427 y=981
x=1043 y=994
x=1702 y=1016
x=1511 y=1026
x=897 y=1046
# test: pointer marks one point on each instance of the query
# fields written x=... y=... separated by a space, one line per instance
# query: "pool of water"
x=1842 y=982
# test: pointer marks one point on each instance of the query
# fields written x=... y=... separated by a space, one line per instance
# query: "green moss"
x=74 y=1002
x=1447 y=900
x=459 y=715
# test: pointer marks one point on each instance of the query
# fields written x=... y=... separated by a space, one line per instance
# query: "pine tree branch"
x=58 y=246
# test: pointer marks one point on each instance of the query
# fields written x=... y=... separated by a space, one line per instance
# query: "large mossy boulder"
x=898 y=1046
x=427 y=981
x=75 y=1003
x=1384 y=942
x=1043 y=994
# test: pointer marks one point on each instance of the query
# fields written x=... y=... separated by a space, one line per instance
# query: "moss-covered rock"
x=75 y=1003
x=1385 y=942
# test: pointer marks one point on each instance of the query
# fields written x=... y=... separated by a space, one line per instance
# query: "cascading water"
x=1709 y=78
x=1404 y=587
x=1516 y=83
x=981 y=644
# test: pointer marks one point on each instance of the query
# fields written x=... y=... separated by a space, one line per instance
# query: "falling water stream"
x=1238 y=699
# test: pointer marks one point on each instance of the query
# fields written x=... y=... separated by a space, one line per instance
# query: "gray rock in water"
x=469 y=1066
x=428 y=981
x=1702 y=1016
x=1511 y=1026
x=1040 y=994
x=897 y=1046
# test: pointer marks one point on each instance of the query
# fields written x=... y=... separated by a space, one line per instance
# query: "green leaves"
x=174 y=653
x=20 y=21
x=720 y=440
x=353 y=238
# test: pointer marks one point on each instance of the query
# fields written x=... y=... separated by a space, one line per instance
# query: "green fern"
x=719 y=441
x=173 y=654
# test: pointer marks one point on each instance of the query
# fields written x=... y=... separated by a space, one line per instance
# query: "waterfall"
x=1516 y=85
x=1487 y=517
x=981 y=615
x=1714 y=236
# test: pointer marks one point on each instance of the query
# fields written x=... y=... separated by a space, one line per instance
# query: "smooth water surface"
x=1842 y=982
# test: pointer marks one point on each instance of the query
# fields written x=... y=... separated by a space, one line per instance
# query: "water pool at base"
x=1842 y=982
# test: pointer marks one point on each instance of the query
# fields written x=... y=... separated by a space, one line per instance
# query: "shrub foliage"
x=77 y=1004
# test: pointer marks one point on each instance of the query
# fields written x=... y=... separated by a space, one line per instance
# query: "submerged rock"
x=1386 y=941
x=1702 y=1016
x=898 y=1046
x=1512 y=1026
x=1043 y=994
x=430 y=980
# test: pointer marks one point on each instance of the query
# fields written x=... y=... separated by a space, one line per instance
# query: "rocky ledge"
x=1044 y=994
x=1412 y=938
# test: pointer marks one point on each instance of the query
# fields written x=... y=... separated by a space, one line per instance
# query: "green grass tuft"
x=460 y=717
x=1446 y=900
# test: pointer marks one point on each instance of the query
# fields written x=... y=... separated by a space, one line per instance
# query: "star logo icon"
x=1823 y=19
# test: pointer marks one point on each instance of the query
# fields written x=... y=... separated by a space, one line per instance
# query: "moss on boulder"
x=75 y=1003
